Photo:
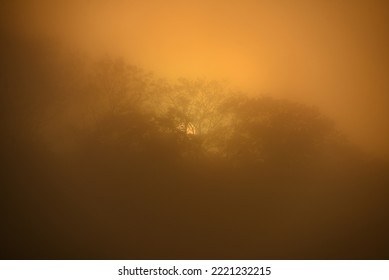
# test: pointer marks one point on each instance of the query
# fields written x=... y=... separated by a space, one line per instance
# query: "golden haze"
x=327 y=53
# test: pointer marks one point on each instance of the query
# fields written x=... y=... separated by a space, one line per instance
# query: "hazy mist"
x=200 y=129
x=329 y=54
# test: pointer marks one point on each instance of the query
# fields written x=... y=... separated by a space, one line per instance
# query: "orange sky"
x=333 y=54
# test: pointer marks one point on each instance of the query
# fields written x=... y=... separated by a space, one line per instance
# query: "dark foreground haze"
x=103 y=159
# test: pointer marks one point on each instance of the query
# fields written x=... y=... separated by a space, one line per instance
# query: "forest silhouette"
x=103 y=160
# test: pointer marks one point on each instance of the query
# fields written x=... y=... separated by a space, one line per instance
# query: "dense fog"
x=118 y=147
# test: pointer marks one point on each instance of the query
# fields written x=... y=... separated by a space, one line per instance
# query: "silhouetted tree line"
x=101 y=159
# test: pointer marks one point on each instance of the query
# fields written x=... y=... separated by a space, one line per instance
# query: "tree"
x=278 y=132
x=193 y=111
